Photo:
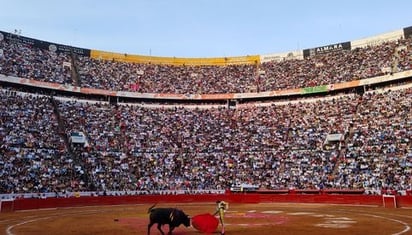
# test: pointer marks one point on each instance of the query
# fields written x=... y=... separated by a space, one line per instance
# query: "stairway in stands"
x=72 y=153
x=344 y=149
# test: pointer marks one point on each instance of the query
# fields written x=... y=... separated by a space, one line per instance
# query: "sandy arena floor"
x=253 y=219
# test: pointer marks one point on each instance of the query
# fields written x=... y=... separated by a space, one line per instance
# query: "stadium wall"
x=168 y=96
x=353 y=199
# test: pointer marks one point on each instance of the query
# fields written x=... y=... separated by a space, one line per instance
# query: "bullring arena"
x=245 y=215
x=272 y=218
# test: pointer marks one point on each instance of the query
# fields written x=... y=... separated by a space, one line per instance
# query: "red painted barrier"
x=37 y=203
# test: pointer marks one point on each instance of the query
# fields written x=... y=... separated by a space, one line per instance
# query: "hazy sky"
x=202 y=28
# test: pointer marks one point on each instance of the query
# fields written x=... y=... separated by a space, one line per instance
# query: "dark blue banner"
x=10 y=37
x=326 y=49
x=407 y=32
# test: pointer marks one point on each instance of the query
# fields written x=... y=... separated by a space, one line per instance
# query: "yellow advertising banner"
x=96 y=54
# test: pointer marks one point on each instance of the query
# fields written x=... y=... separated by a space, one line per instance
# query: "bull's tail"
x=150 y=208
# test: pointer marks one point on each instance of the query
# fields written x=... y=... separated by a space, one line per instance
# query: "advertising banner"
x=407 y=32
x=315 y=89
x=326 y=49
x=10 y=37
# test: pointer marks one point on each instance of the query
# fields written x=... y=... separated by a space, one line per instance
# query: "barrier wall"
x=356 y=199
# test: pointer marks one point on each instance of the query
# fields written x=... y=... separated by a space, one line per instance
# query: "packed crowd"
x=321 y=69
x=330 y=68
x=380 y=151
x=33 y=157
x=403 y=56
x=25 y=61
x=133 y=147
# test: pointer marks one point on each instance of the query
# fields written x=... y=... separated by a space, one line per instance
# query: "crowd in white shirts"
x=141 y=148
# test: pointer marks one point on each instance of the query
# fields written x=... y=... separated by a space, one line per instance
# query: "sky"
x=202 y=28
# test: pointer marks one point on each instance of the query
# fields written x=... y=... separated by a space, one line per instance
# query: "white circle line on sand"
x=9 y=228
x=341 y=218
x=407 y=228
x=301 y=213
x=323 y=215
x=250 y=225
x=272 y=212
x=327 y=225
x=341 y=221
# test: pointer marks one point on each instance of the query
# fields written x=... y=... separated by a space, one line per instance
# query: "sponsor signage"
x=407 y=32
x=326 y=49
x=10 y=37
x=315 y=89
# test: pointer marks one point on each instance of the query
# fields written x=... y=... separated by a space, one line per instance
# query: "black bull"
x=171 y=216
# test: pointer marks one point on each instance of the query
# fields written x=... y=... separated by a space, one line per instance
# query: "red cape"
x=205 y=223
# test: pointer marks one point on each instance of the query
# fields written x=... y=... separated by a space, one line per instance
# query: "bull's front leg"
x=171 y=229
